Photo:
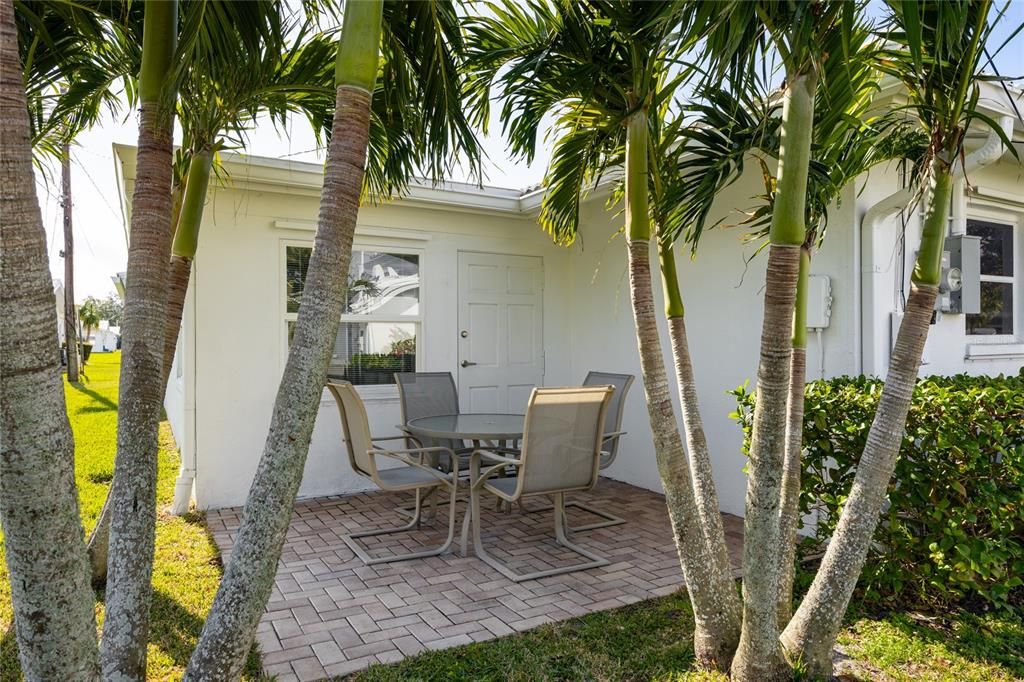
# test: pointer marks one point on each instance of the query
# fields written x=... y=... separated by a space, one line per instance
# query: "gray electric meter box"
x=964 y=274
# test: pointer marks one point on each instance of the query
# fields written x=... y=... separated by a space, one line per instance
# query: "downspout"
x=184 y=484
x=866 y=264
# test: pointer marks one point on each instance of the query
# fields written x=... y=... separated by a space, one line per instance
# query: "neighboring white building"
x=105 y=339
x=463 y=274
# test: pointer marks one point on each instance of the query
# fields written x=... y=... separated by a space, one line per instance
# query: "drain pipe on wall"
x=187 y=474
x=867 y=266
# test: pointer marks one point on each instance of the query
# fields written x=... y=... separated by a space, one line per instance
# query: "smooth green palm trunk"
x=183 y=251
x=759 y=656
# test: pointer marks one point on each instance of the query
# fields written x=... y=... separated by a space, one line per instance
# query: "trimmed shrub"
x=953 y=526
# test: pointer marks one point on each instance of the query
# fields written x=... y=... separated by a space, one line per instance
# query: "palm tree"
x=420 y=43
x=54 y=619
x=800 y=34
x=937 y=55
x=133 y=491
x=607 y=71
x=847 y=141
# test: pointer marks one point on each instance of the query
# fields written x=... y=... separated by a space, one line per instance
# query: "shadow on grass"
x=998 y=639
x=253 y=668
x=107 y=403
x=9 y=655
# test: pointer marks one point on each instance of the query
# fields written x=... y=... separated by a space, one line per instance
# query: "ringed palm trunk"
x=246 y=586
x=693 y=427
x=789 y=510
x=54 y=619
x=99 y=539
x=812 y=632
x=183 y=251
x=133 y=491
x=712 y=593
x=759 y=656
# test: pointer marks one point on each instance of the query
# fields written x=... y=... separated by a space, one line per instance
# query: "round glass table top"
x=470 y=426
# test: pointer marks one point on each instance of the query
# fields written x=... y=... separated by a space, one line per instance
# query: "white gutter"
x=867 y=263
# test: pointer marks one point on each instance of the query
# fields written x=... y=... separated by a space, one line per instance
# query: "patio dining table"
x=479 y=428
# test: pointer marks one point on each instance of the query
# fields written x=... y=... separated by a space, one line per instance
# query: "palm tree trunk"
x=54 y=619
x=249 y=578
x=812 y=632
x=789 y=511
x=133 y=491
x=70 y=335
x=712 y=593
x=99 y=539
x=693 y=427
x=183 y=251
x=759 y=656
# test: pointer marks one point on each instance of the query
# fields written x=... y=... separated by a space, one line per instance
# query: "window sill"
x=370 y=394
x=994 y=351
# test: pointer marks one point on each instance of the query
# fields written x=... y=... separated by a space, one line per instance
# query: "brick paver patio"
x=330 y=614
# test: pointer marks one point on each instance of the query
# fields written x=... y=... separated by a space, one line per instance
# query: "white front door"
x=501 y=343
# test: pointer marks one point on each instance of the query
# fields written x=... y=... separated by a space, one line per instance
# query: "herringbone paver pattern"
x=330 y=614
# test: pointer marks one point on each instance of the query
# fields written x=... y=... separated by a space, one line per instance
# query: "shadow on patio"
x=330 y=614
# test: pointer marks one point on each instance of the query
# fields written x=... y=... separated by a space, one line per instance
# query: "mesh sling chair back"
x=413 y=474
x=560 y=453
x=613 y=418
x=430 y=394
x=610 y=445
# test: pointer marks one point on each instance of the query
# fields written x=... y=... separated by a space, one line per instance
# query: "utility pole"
x=70 y=324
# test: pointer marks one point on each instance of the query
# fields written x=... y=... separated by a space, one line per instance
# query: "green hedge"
x=954 y=523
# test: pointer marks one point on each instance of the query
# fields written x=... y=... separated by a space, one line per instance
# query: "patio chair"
x=430 y=394
x=561 y=453
x=609 y=446
x=610 y=443
x=414 y=474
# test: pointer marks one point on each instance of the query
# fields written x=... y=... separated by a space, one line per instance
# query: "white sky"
x=100 y=242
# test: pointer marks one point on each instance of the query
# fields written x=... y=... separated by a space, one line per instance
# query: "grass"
x=187 y=566
x=651 y=641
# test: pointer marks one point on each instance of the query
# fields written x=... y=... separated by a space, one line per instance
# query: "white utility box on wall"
x=819 y=301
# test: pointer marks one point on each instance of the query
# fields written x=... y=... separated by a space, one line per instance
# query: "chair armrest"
x=403 y=456
x=612 y=436
x=503 y=458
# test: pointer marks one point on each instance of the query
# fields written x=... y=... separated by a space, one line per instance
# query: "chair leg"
x=609 y=519
x=351 y=538
x=560 y=537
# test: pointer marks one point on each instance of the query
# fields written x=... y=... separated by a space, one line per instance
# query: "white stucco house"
x=105 y=338
x=459 y=274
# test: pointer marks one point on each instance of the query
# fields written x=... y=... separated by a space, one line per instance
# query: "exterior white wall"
x=998 y=194
x=240 y=330
x=722 y=293
x=233 y=349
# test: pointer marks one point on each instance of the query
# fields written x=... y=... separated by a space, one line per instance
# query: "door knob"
x=467 y=363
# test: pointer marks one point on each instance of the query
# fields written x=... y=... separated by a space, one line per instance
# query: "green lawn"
x=646 y=641
x=187 y=567
x=651 y=641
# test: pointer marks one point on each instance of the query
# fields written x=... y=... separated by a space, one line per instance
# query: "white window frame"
x=1013 y=221
x=371 y=391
